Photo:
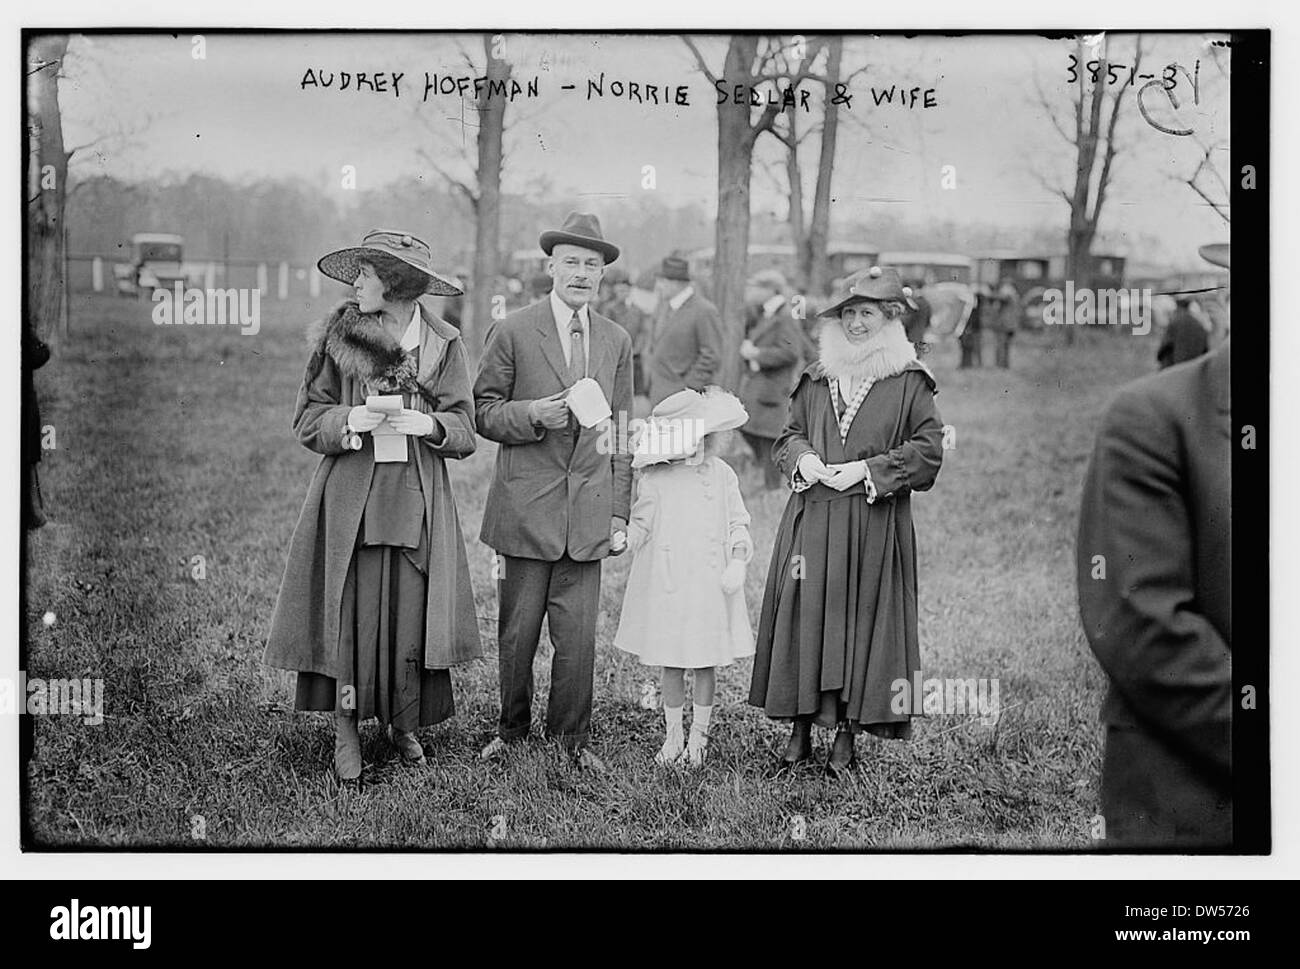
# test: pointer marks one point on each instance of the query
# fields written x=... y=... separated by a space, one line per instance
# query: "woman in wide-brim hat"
x=376 y=605
x=838 y=626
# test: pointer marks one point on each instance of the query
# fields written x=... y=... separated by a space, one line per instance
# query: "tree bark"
x=487 y=203
x=794 y=179
x=818 y=270
x=47 y=177
x=736 y=137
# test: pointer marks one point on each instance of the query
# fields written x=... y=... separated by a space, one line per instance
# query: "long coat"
x=1157 y=608
x=839 y=608
x=686 y=347
x=305 y=625
x=765 y=392
x=553 y=492
x=686 y=520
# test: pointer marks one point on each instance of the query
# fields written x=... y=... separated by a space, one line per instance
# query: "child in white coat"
x=684 y=606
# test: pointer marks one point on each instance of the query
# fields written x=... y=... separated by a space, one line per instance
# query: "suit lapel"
x=599 y=348
x=549 y=341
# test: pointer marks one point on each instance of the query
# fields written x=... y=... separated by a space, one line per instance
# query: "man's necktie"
x=577 y=350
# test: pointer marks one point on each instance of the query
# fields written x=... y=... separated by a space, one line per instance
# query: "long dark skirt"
x=381 y=641
x=838 y=626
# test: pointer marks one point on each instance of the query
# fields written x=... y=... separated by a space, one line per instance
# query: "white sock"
x=673 y=719
x=701 y=722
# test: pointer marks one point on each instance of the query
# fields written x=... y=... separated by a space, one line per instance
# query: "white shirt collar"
x=411 y=338
x=677 y=301
x=773 y=304
x=563 y=313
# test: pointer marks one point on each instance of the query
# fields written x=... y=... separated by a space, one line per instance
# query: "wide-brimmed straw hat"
x=579 y=229
x=680 y=422
x=877 y=284
x=344 y=264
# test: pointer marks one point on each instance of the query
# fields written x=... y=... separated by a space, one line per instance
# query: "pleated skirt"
x=838 y=629
x=381 y=646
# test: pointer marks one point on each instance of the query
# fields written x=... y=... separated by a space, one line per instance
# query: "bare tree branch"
x=699 y=59
x=470 y=195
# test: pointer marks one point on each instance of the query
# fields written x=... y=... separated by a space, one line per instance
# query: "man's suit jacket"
x=687 y=348
x=1157 y=505
x=765 y=392
x=553 y=492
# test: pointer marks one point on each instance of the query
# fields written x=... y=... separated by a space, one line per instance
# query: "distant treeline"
x=271 y=220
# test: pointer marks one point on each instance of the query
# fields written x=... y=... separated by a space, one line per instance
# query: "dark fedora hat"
x=579 y=229
x=675 y=267
x=876 y=284
x=343 y=264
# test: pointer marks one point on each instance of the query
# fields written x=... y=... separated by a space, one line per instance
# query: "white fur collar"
x=887 y=353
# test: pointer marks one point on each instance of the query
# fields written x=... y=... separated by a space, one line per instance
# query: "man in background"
x=1185 y=337
x=771 y=355
x=620 y=308
x=686 y=347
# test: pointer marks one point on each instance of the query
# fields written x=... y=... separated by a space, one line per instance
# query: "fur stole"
x=887 y=353
x=363 y=349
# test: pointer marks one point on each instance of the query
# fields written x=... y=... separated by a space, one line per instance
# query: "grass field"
x=174 y=442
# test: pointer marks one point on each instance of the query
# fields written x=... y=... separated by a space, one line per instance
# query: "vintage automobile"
x=1033 y=273
x=155 y=264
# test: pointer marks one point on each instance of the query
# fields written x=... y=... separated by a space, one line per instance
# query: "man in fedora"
x=686 y=348
x=558 y=502
x=1154 y=572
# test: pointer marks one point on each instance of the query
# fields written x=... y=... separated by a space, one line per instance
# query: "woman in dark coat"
x=838 y=625
x=376 y=603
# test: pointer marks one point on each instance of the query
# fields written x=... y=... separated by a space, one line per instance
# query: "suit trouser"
x=1004 y=348
x=567 y=594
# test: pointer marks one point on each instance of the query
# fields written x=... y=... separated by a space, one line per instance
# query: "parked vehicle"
x=155 y=264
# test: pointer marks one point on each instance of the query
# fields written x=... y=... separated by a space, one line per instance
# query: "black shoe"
x=799 y=748
x=843 y=757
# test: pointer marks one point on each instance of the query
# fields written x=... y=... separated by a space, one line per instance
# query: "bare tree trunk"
x=731 y=242
x=818 y=271
x=794 y=180
x=487 y=202
x=46 y=185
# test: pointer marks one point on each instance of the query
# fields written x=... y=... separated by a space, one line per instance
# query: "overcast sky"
x=241 y=112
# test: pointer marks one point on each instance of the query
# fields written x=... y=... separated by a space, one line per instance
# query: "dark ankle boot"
x=842 y=756
x=799 y=747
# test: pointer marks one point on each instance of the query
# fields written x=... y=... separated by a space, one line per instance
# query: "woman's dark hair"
x=401 y=282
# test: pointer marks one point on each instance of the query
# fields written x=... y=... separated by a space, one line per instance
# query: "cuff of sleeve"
x=351 y=438
x=870 y=485
x=797 y=482
x=740 y=536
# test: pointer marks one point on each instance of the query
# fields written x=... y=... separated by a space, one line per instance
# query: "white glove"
x=845 y=476
x=733 y=577
x=361 y=419
x=813 y=469
x=413 y=422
